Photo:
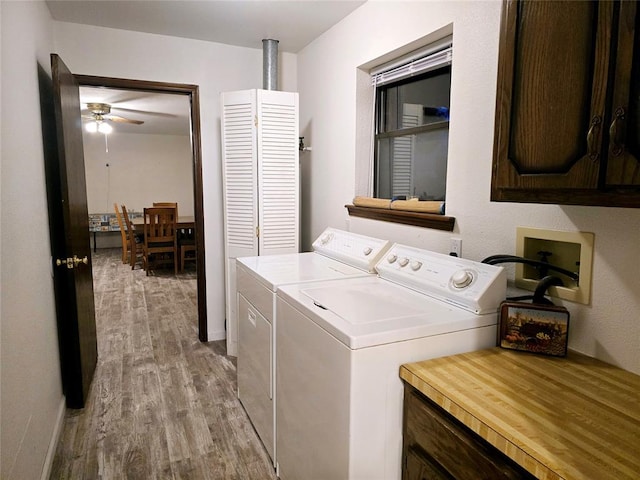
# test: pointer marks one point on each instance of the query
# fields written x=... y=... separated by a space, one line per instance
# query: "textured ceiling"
x=234 y=22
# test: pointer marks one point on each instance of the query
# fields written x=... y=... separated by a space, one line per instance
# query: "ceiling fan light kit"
x=100 y=113
x=98 y=126
x=91 y=127
x=104 y=128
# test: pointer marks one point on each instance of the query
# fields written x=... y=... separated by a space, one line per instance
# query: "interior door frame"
x=193 y=92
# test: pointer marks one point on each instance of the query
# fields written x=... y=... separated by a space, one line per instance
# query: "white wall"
x=215 y=68
x=137 y=171
x=32 y=404
x=31 y=400
x=608 y=328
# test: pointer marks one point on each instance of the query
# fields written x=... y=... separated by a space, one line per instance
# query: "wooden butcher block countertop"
x=559 y=418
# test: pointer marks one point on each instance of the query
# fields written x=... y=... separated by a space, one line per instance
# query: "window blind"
x=434 y=56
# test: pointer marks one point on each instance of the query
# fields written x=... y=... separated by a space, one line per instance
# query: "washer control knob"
x=367 y=251
x=461 y=279
x=415 y=265
x=403 y=262
x=392 y=258
x=325 y=238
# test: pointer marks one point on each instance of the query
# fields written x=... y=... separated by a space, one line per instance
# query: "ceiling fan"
x=99 y=114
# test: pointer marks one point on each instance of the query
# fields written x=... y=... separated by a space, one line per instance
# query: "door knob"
x=72 y=262
x=64 y=261
x=77 y=261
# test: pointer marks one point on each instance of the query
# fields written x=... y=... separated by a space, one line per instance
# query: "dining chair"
x=186 y=237
x=186 y=243
x=160 y=238
x=135 y=241
x=123 y=235
x=167 y=204
x=170 y=205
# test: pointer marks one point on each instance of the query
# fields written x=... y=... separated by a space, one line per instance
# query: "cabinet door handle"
x=616 y=132
x=592 y=135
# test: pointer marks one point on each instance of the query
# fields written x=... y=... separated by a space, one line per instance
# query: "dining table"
x=183 y=222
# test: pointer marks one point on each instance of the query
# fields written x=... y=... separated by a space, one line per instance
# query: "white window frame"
x=365 y=114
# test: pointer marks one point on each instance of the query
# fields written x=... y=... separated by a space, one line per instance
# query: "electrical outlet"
x=455 y=247
x=572 y=251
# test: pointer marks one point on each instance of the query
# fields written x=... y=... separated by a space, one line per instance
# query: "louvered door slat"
x=239 y=173
x=278 y=176
x=261 y=182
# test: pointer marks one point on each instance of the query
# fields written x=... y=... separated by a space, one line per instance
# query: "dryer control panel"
x=473 y=286
x=356 y=250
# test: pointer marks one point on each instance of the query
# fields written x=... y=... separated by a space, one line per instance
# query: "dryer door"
x=255 y=366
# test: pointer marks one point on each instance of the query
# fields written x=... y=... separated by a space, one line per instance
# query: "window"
x=412 y=125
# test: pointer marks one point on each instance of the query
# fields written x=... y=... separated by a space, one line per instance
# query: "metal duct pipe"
x=270 y=64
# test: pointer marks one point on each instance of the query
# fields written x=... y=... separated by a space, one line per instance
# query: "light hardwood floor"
x=162 y=404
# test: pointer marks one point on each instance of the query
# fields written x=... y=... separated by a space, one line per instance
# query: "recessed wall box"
x=572 y=251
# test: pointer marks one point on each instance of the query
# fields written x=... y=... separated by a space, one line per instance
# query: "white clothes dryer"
x=336 y=255
x=339 y=346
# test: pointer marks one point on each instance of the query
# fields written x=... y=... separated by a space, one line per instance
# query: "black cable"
x=541 y=289
x=504 y=258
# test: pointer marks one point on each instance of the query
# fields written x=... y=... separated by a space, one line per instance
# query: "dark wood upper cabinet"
x=568 y=103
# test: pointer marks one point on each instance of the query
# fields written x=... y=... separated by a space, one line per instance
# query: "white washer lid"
x=369 y=311
x=275 y=270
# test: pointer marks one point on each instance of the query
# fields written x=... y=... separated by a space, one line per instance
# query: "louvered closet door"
x=278 y=172
x=239 y=161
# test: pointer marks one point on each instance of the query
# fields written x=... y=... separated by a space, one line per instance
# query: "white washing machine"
x=337 y=255
x=339 y=346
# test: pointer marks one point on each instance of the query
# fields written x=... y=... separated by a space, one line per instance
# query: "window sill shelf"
x=417 y=219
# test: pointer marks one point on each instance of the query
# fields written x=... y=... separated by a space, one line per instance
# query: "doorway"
x=192 y=93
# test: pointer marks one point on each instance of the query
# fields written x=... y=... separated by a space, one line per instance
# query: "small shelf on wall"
x=417 y=219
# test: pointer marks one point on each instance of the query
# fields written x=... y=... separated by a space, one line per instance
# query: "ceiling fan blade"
x=146 y=112
x=116 y=118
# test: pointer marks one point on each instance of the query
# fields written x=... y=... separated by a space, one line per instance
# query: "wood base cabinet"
x=437 y=446
x=568 y=104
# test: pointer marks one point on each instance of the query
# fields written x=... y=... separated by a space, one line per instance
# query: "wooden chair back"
x=160 y=236
x=135 y=240
x=167 y=204
x=123 y=235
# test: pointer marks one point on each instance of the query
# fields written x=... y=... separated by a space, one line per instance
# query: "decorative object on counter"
x=539 y=326
x=534 y=328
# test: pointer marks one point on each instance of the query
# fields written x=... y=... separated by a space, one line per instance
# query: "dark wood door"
x=623 y=167
x=551 y=94
x=70 y=242
x=568 y=104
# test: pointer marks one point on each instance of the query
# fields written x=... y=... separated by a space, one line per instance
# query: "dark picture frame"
x=542 y=329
